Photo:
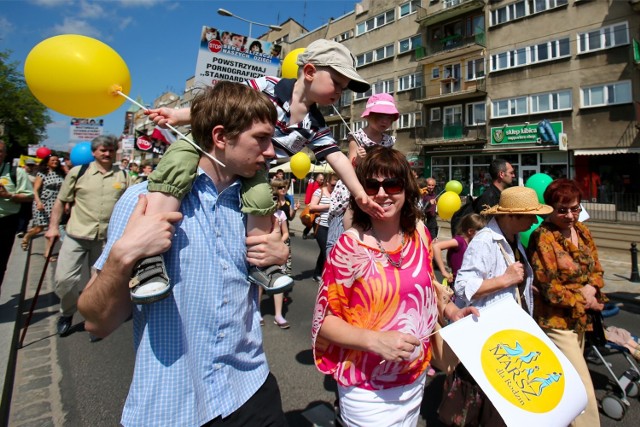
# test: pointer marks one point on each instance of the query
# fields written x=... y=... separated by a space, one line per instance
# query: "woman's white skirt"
x=398 y=406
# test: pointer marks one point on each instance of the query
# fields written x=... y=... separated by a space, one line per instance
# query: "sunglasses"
x=282 y=188
x=574 y=210
x=390 y=186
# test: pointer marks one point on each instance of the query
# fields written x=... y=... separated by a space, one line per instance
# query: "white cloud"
x=90 y=10
x=51 y=3
x=143 y=3
x=76 y=26
x=125 y=22
x=6 y=27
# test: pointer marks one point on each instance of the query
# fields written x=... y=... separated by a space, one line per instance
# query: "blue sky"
x=157 y=39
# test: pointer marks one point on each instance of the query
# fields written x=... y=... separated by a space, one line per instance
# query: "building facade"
x=550 y=85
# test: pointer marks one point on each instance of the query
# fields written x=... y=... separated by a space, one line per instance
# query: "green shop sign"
x=521 y=134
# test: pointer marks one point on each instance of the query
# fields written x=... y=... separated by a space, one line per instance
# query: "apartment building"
x=550 y=85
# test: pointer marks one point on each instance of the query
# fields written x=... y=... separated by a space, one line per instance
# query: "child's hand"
x=168 y=116
x=370 y=207
x=361 y=152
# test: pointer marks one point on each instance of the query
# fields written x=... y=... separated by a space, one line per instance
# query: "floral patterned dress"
x=361 y=287
x=561 y=269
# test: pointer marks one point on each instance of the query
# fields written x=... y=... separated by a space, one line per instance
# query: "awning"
x=607 y=151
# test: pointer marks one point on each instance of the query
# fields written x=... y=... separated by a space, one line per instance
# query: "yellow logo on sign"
x=524 y=370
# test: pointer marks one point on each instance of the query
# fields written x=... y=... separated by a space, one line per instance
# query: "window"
x=533 y=54
x=363 y=95
x=607 y=94
x=375 y=55
x=552 y=101
x=435 y=73
x=409 y=44
x=435 y=114
x=451 y=79
x=384 y=86
x=475 y=25
x=409 y=7
x=603 y=38
x=342 y=37
x=476 y=113
x=409 y=81
x=359 y=124
x=475 y=69
x=542 y=5
x=410 y=120
x=509 y=12
x=452 y=115
x=509 y=107
x=376 y=22
x=339 y=131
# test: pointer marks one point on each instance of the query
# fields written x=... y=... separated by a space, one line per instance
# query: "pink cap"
x=381 y=103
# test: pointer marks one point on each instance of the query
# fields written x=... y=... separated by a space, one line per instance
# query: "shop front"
x=520 y=145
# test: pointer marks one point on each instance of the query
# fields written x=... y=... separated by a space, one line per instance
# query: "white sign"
x=227 y=56
x=127 y=143
x=526 y=377
x=85 y=129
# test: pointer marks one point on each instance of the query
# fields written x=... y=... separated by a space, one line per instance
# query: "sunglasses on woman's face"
x=390 y=185
x=282 y=188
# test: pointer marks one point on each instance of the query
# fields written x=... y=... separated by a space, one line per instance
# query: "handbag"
x=307 y=218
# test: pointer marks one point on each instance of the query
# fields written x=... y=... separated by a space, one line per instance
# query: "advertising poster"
x=223 y=55
x=526 y=377
x=85 y=129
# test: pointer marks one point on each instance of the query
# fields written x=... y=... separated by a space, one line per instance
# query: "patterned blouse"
x=361 y=287
x=560 y=270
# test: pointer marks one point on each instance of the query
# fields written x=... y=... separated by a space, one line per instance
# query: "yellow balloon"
x=77 y=76
x=289 y=66
x=300 y=165
x=448 y=204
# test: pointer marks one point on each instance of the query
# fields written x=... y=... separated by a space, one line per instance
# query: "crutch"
x=35 y=297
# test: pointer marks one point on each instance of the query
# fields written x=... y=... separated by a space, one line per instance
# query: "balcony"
x=452 y=46
x=449 y=89
x=438 y=134
x=445 y=10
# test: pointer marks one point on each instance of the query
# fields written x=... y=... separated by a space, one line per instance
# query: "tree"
x=22 y=116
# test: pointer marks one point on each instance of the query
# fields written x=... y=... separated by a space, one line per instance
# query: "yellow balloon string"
x=183 y=136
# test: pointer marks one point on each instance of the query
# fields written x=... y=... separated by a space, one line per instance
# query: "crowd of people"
x=150 y=235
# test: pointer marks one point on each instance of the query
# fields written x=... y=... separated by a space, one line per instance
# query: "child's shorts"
x=178 y=169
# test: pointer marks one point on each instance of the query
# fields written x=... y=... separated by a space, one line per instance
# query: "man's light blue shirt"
x=199 y=352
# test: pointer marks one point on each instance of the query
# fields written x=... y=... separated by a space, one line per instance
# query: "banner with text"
x=228 y=56
x=522 y=134
x=526 y=377
x=85 y=129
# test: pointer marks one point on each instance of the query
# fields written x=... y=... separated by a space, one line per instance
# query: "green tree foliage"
x=22 y=116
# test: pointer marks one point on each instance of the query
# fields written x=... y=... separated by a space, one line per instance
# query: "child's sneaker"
x=272 y=279
x=150 y=282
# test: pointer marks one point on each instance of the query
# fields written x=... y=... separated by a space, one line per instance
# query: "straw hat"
x=518 y=201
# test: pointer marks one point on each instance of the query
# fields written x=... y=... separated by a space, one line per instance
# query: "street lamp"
x=225 y=12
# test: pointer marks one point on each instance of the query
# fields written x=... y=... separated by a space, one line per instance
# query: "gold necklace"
x=392 y=262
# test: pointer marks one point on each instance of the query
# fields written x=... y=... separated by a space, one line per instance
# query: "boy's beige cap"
x=327 y=53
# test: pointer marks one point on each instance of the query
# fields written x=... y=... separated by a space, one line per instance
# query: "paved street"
x=72 y=382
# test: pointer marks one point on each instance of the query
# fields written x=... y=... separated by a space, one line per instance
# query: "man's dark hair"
x=497 y=166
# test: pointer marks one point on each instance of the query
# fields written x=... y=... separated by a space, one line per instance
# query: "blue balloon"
x=81 y=154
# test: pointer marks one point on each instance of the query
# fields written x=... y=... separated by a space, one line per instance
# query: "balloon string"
x=345 y=123
x=183 y=136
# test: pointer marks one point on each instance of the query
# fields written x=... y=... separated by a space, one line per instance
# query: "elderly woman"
x=569 y=276
x=377 y=308
x=494 y=267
